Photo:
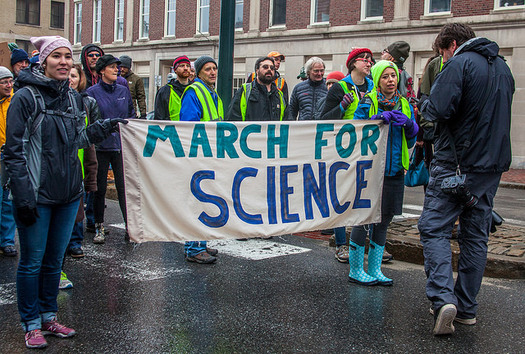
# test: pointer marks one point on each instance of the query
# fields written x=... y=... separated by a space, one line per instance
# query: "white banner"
x=218 y=180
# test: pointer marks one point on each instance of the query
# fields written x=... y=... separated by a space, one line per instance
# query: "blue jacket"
x=114 y=101
x=305 y=100
x=393 y=150
x=332 y=108
x=191 y=107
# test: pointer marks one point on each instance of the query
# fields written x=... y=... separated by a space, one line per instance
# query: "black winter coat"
x=261 y=105
x=456 y=99
x=306 y=98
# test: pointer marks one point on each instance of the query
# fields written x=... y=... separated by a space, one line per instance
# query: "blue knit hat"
x=18 y=55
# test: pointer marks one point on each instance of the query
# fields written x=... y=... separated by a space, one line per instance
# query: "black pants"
x=104 y=159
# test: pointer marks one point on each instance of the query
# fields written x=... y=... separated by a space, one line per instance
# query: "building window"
x=203 y=13
x=437 y=6
x=57 y=14
x=509 y=4
x=170 y=17
x=97 y=20
x=320 y=11
x=25 y=45
x=277 y=12
x=371 y=9
x=239 y=5
x=119 y=20
x=144 y=19
x=28 y=12
x=78 y=23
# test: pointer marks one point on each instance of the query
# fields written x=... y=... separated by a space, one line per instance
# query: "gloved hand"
x=399 y=119
x=386 y=117
x=27 y=215
x=347 y=101
x=114 y=123
x=101 y=129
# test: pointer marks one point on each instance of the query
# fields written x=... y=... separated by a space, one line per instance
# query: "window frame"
x=95 y=32
x=270 y=20
x=117 y=18
x=141 y=19
x=498 y=7
x=63 y=14
x=199 y=8
x=372 y=18
x=242 y=15
x=166 y=19
x=313 y=10
x=26 y=12
x=440 y=13
x=77 y=25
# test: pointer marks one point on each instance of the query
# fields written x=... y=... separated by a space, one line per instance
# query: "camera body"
x=457 y=187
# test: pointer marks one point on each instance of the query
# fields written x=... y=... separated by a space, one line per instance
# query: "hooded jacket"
x=261 y=105
x=91 y=76
x=4 y=104
x=305 y=100
x=138 y=94
x=457 y=102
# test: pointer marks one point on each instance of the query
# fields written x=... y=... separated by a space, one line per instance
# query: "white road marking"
x=255 y=249
x=7 y=294
x=413 y=207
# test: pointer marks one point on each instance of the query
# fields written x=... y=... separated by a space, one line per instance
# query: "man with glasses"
x=280 y=82
x=259 y=100
x=308 y=96
x=89 y=57
x=7 y=221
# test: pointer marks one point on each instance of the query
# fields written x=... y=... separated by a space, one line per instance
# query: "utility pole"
x=226 y=39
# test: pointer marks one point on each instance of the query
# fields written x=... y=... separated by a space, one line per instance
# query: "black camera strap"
x=466 y=145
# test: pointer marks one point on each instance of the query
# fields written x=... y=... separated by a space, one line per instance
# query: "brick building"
x=154 y=32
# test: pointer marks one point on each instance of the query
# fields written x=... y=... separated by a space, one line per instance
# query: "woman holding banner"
x=385 y=103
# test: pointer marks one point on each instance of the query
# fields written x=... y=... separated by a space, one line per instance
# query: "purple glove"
x=347 y=101
x=386 y=117
x=401 y=120
x=398 y=118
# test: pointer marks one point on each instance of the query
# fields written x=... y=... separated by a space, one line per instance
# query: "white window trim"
x=75 y=20
x=116 y=21
x=441 y=13
x=497 y=7
x=363 y=13
x=141 y=19
x=166 y=4
x=95 y=21
x=240 y=29
x=198 y=29
x=271 y=17
x=312 y=14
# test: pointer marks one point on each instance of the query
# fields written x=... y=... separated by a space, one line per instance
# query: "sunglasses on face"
x=93 y=55
x=266 y=67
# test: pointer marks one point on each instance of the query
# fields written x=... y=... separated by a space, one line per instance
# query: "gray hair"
x=311 y=62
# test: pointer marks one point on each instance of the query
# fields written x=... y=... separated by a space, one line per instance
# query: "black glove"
x=27 y=215
x=114 y=123
x=101 y=129
x=143 y=116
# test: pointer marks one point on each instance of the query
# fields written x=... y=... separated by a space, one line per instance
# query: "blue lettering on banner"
x=361 y=183
x=315 y=191
x=370 y=135
x=338 y=208
x=225 y=142
x=344 y=152
x=249 y=129
x=156 y=132
x=270 y=195
x=200 y=138
x=210 y=221
x=319 y=141
x=281 y=140
x=285 y=192
x=236 y=196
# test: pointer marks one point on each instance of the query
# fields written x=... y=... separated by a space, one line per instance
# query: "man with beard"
x=168 y=99
x=135 y=84
x=259 y=100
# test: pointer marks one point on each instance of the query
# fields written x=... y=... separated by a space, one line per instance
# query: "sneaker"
x=443 y=320
x=387 y=257
x=58 y=330
x=65 y=283
x=8 y=251
x=202 y=258
x=464 y=321
x=100 y=234
x=341 y=254
x=35 y=339
x=76 y=252
x=212 y=251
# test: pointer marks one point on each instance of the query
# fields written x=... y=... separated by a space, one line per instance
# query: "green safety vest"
x=247 y=89
x=350 y=110
x=405 y=109
x=209 y=110
x=441 y=64
x=174 y=104
x=81 y=154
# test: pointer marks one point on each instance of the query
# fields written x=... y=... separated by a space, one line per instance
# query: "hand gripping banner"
x=218 y=180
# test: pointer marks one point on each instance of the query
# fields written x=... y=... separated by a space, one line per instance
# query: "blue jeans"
x=77 y=236
x=7 y=220
x=340 y=236
x=193 y=248
x=42 y=248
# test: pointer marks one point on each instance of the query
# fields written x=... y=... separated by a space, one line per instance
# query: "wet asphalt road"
x=148 y=299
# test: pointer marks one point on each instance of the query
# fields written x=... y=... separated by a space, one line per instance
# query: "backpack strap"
x=38 y=113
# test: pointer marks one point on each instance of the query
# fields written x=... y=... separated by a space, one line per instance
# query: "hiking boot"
x=202 y=258
x=35 y=339
x=76 y=252
x=56 y=329
x=9 y=251
x=212 y=251
x=387 y=257
x=100 y=234
x=341 y=253
x=65 y=283
x=443 y=320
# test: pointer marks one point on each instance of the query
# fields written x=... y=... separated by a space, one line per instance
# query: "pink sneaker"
x=35 y=339
x=56 y=329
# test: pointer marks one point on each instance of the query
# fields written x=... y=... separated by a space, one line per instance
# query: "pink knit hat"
x=47 y=44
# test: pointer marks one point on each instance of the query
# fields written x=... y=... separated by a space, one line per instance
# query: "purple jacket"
x=114 y=101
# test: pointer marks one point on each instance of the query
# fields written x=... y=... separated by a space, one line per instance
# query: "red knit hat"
x=354 y=53
x=179 y=60
x=334 y=76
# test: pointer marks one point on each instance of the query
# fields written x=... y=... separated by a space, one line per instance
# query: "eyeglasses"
x=266 y=67
x=93 y=55
x=366 y=60
x=318 y=71
x=6 y=82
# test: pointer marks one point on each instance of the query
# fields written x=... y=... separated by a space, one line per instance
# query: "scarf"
x=385 y=102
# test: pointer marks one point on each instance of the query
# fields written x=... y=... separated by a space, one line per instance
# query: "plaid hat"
x=200 y=61
x=381 y=66
x=354 y=53
x=104 y=61
x=18 y=55
x=47 y=44
x=179 y=60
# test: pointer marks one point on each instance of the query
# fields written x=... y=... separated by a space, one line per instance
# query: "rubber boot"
x=375 y=257
x=357 y=273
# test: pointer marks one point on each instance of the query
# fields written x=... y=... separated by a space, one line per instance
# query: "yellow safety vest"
x=174 y=104
x=350 y=110
x=405 y=109
x=209 y=110
x=247 y=87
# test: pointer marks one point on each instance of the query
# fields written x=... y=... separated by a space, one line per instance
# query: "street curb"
x=512 y=185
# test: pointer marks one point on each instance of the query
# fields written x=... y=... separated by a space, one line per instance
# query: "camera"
x=457 y=187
